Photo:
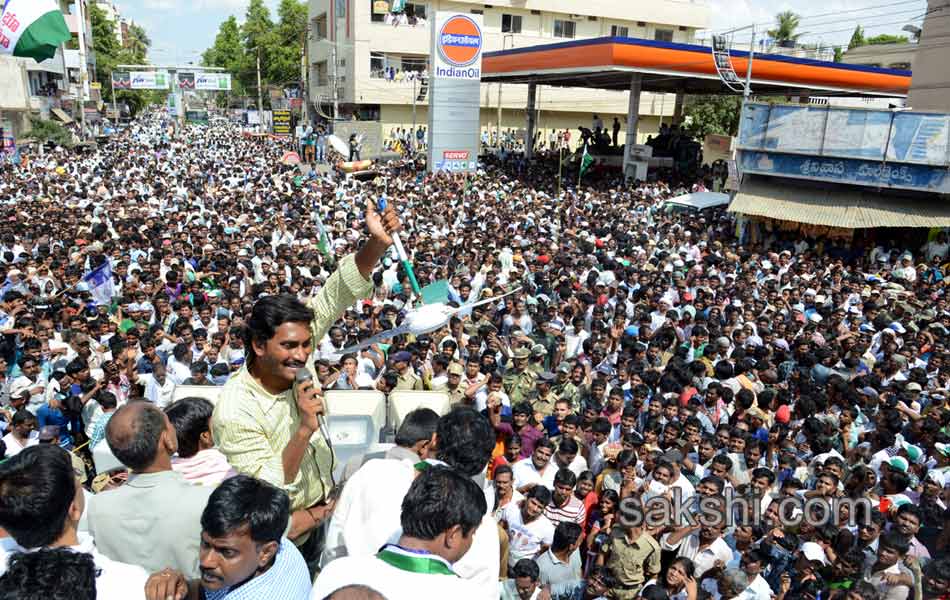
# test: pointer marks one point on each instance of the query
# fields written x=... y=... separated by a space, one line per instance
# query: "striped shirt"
x=287 y=579
x=572 y=512
x=251 y=426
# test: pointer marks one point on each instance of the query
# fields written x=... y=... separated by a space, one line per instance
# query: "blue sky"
x=182 y=29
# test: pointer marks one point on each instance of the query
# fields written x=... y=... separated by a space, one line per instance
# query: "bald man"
x=154 y=520
x=355 y=592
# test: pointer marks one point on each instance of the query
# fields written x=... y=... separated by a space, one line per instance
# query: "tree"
x=279 y=46
x=712 y=114
x=285 y=43
x=786 y=24
x=839 y=53
x=886 y=38
x=109 y=54
x=50 y=131
x=857 y=38
x=227 y=53
x=138 y=42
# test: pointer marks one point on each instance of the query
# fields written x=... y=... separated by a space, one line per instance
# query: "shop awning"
x=838 y=207
x=61 y=115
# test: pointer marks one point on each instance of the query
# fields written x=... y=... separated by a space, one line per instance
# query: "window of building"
x=414 y=63
x=416 y=10
x=378 y=9
x=377 y=65
x=619 y=31
x=511 y=23
x=663 y=35
x=564 y=29
x=320 y=28
x=320 y=74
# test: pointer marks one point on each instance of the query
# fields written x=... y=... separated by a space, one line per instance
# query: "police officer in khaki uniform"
x=633 y=556
x=518 y=382
x=408 y=380
x=543 y=399
x=455 y=388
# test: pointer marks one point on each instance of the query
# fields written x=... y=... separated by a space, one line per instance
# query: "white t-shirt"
x=115 y=581
x=13 y=445
x=367 y=516
x=394 y=583
x=525 y=539
x=525 y=473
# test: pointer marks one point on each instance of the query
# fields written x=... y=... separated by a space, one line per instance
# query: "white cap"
x=813 y=551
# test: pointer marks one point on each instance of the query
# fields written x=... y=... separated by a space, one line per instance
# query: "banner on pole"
x=281 y=121
x=186 y=81
x=212 y=81
x=150 y=80
x=122 y=80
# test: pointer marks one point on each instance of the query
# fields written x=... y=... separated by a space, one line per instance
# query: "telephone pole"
x=260 y=93
x=82 y=69
x=305 y=75
x=335 y=83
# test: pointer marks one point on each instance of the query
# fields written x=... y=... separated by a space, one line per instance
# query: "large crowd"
x=796 y=388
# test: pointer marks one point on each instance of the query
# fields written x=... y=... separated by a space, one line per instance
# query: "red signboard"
x=455 y=155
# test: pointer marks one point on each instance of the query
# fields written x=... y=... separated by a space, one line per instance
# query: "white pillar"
x=678 y=109
x=530 y=117
x=633 y=116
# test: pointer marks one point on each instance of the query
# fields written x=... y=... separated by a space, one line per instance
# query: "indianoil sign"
x=456 y=74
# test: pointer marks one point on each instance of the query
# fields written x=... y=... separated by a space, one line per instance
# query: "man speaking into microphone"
x=266 y=422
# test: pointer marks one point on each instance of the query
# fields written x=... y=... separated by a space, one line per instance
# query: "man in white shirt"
x=39 y=487
x=159 y=388
x=529 y=532
x=368 y=511
x=702 y=544
x=537 y=469
x=439 y=517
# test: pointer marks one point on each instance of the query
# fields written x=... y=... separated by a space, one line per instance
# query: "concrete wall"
x=400 y=116
x=14 y=83
x=366 y=38
x=882 y=55
x=930 y=86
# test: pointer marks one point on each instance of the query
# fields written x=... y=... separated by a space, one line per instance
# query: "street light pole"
x=747 y=92
x=504 y=45
x=260 y=96
x=82 y=69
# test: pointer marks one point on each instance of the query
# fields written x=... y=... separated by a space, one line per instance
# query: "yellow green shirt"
x=252 y=427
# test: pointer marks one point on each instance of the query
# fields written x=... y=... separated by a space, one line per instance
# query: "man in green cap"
x=539 y=356
x=519 y=381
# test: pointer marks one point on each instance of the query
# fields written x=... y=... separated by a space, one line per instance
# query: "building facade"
x=930 y=87
x=378 y=60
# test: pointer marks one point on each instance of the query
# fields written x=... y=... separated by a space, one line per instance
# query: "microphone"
x=303 y=375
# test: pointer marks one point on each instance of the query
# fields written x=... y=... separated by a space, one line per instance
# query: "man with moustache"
x=243 y=552
x=267 y=426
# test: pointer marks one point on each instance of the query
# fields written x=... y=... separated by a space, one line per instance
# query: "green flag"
x=32 y=28
x=323 y=245
x=586 y=161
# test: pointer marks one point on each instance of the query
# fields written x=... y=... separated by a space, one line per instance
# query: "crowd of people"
x=788 y=401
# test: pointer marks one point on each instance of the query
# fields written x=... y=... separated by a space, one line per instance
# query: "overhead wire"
x=828 y=14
